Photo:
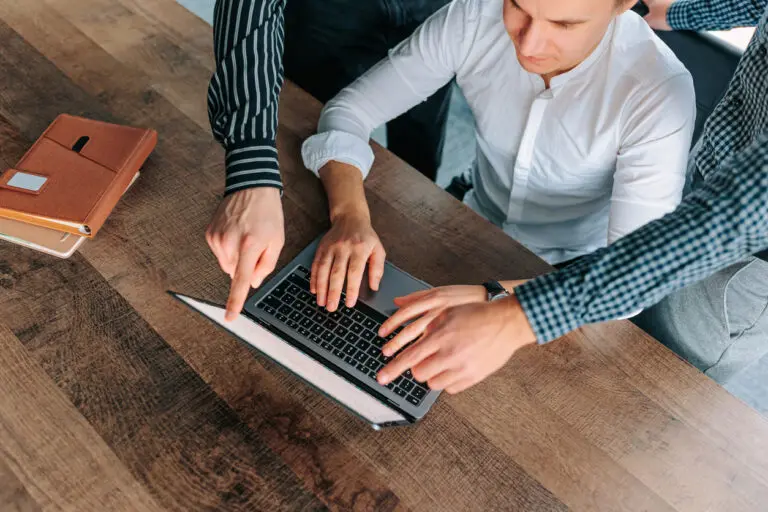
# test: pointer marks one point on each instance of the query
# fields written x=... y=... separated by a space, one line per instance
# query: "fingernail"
x=383 y=379
x=387 y=352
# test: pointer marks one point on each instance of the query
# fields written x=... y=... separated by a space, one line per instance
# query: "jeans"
x=329 y=43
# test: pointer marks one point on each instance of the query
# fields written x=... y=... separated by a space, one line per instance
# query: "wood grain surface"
x=115 y=397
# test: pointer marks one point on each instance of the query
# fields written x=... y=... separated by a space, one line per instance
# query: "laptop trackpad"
x=299 y=363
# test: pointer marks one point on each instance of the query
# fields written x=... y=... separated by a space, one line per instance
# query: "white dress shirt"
x=564 y=170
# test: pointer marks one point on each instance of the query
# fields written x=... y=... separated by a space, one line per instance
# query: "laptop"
x=337 y=353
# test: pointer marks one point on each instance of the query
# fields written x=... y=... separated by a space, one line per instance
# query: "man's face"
x=554 y=36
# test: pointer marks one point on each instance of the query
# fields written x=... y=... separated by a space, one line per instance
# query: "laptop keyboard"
x=347 y=335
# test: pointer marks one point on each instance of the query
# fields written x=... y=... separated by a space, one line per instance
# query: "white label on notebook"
x=26 y=181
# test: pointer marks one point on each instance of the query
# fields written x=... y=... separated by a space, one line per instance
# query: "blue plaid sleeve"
x=714 y=14
x=724 y=221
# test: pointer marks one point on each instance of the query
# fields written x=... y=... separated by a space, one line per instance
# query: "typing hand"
x=657 y=13
x=463 y=345
x=246 y=235
x=344 y=251
x=423 y=307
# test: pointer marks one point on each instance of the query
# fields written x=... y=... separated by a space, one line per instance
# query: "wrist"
x=257 y=194
x=513 y=316
x=343 y=184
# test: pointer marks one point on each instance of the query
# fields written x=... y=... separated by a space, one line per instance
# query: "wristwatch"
x=495 y=290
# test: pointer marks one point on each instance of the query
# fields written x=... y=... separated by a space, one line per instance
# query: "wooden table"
x=115 y=397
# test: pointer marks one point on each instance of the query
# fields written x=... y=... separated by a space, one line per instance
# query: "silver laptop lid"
x=316 y=374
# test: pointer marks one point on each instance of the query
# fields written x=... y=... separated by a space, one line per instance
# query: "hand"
x=657 y=13
x=463 y=345
x=344 y=251
x=246 y=234
x=424 y=307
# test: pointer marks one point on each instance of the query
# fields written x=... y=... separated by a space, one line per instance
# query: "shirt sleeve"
x=715 y=14
x=651 y=164
x=244 y=90
x=412 y=72
x=723 y=222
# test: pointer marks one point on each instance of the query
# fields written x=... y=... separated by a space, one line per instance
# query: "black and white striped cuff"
x=252 y=164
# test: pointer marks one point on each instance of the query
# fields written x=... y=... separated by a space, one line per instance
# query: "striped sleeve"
x=715 y=15
x=244 y=90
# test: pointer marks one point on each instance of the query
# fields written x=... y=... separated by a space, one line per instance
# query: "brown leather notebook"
x=74 y=174
x=49 y=241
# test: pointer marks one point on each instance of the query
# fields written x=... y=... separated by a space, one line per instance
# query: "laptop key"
x=338 y=353
x=294 y=290
x=372 y=364
x=373 y=351
x=330 y=324
x=327 y=346
x=413 y=400
x=269 y=310
x=349 y=360
x=345 y=321
x=286 y=310
x=362 y=344
x=358 y=316
x=319 y=317
x=351 y=337
x=317 y=329
x=370 y=324
x=391 y=385
x=356 y=328
x=340 y=331
x=295 y=316
x=361 y=357
x=260 y=305
x=401 y=392
x=303 y=331
x=407 y=385
x=306 y=323
x=337 y=342
x=419 y=392
x=367 y=335
x=350 y=350
x=288 y=299
x=346 y=311
x=328 y=336
x=309 y=311
x=273 y=301
x=281 y=317
x=314 y=338
x=362 y=368
x=292 y=324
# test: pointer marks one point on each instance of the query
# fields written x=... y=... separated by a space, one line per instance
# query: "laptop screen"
x=301 y=364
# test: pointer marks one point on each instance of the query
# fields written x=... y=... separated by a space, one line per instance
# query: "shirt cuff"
x=679 y=15
x=545 y=303
x=252 y=164
x=338 y=146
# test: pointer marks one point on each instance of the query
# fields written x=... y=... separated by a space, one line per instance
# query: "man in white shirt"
x=584 y=120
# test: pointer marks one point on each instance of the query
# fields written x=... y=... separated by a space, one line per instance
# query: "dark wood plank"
x=13 y=496
x=59 y=460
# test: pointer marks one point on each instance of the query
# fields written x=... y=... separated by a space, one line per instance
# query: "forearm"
x=244 y=90
x=715 y=14
x=723 y=222
x=343 y=184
